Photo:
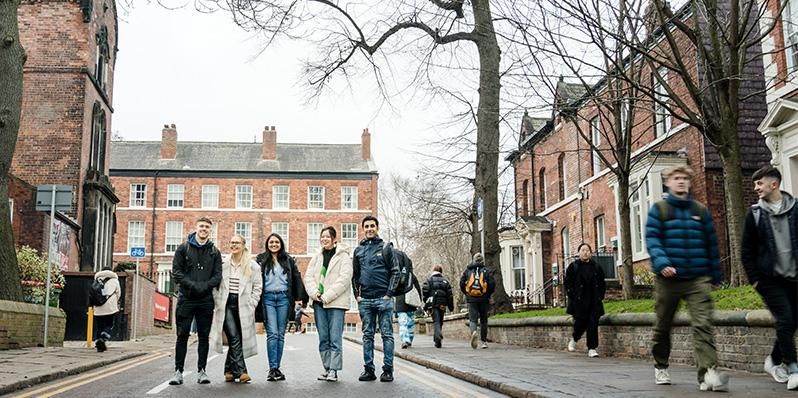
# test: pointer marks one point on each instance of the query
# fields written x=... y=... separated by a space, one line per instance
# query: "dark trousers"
x=103 y=326
x=437 y=324
x=588 y=323
x=232 y=329
x=186 y=311
x=781 y=297
x=479 y=311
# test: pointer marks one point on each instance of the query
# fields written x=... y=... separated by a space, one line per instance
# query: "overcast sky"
x=203 y=73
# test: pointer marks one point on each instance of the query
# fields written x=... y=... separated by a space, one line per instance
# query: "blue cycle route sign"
x=137 y=252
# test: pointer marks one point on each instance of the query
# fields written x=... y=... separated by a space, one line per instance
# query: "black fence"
x=74 y=300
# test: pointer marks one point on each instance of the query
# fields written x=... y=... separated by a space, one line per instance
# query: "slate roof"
x=240 y=157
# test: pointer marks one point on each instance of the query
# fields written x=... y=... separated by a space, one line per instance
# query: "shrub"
x=643 y=276
x=33 y=275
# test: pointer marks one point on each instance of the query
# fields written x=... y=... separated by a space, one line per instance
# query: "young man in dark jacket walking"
x=770 y=241
x=681 y=240
x=438 y=296
x=197 y=269
x=375 y=280
x=477 y=284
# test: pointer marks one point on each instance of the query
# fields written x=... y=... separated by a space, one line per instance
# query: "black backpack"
x=406 y=276
x=96 y=296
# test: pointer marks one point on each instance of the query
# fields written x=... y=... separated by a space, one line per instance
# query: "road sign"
x=137 y=252
x=62 y=194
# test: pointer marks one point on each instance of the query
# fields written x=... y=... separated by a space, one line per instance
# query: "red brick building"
x=565 y=195
x=249 y=188
x=66 y=116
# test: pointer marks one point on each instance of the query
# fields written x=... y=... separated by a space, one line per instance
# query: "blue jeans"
x=407 y=326
x=275 y=308
x=371 y=312
x=330 y=324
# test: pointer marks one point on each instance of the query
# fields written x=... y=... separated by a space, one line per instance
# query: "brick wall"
x=145 y=319
x=27 y=224
x=22 y=325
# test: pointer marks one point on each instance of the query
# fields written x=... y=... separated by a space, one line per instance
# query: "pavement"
x=524 y=372
x=26 y=367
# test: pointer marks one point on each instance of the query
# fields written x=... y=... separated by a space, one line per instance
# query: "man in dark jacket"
x=681 y=241
x=770 y=241
x=375 y=280
x=197 y=269
x=477 y=284
x=438 y=296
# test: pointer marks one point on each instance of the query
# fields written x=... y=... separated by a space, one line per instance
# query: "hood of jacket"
x=375 y=240
x=675 y=201
x=192 y=240
x=340 y=247
x=787 y=203
x=106 y=275
x=475 y=265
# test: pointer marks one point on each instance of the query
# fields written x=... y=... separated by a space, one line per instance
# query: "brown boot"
x=244 y=378
x=228 y=377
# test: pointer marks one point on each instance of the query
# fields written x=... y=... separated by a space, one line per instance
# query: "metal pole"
x=482 y=241
x=89 y=327
x=135 y=298
x=49 y=265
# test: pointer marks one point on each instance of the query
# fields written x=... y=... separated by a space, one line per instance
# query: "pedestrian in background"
x=478 y=284
x=197 y=269
x=234 y=314
x=282 y=288
x=299 y=313
x=437 y=297
x=681 y=241
x=328 y=279
x=105 y=314
x=769 y=246
x=585 y=287
x=406 y=313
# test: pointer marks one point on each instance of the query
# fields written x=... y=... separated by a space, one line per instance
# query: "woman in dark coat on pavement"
x=585 y=286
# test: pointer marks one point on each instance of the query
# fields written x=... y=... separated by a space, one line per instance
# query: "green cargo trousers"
x=696 y=293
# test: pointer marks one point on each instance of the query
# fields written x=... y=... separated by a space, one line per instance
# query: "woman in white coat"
x=235 y=301
x=329 y=282
x=105 y=314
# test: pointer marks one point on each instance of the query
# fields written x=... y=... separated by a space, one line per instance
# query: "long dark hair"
x=282 y=255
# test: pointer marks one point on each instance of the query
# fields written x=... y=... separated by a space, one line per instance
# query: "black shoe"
x=278 y=375
x=367 y=375
x=270 y=377
x=405 y=345
x=437 y=344
x=101 y=345
x=386 y=377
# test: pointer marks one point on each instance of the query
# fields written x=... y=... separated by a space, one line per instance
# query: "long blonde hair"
x=246 y=260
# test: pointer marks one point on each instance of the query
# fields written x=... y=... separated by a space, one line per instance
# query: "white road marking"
x=160 y=387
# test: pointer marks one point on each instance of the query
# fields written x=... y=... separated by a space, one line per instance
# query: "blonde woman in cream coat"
x=328 y=281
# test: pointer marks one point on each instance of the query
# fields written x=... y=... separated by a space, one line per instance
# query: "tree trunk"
x=487 y=165
x=12 y=57
x=627 y=267
x=735 y=208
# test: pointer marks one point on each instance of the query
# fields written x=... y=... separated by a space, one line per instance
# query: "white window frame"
x=138 y=239
x=315 y=203
x=662 y=116
x=350 y=204
x=210 y=197
x=175 y=196
x=314 y=230
x=277 y=197
x=138 y=198
x=283 y=232
x=600 y=225
x=519 y=250
x=244 y=196
x=173 y=239
x=215 y=234
x=595 y=138
x=789 y=19
x=346 y=234
x=244 y=229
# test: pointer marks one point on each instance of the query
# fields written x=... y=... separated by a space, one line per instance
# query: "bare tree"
x=12 y=58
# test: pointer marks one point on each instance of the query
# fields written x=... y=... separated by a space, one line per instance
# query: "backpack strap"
x=664 y=210
x=698 y=209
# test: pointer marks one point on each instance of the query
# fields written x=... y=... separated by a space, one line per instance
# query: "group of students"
x=683 y=246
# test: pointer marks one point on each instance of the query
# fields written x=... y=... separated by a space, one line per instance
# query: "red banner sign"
x=161 y=311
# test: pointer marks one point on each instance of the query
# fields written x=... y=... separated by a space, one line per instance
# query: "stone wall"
x=22 y=325
x=743 y=338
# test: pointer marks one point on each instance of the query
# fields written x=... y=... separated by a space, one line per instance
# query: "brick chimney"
x=269 y=148
x=169 y=142
x=365 y=144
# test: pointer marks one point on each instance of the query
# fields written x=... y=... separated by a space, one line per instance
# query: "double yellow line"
x=75 y=382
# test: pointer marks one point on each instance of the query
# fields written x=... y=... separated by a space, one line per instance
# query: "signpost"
x=481 y=226
x=51 y=197
x=137 y=253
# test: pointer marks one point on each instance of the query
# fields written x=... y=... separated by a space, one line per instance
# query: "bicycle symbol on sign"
x=137 y=252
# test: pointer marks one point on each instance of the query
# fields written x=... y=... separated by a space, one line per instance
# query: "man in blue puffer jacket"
x=681 y=241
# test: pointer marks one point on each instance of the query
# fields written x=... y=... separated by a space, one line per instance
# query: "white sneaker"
x=780 y=373
x=715 y=380
x=323 y=375
x=792 y=383
x=661 y=376
x=484 y=345
x=592 y=353
x=572 y=345
x=474 y=339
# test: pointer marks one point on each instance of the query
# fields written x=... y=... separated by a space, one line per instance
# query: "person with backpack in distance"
x=328 y=279
x=681 y=241
x=437 y=297
x=375 y=280
x=585 y=287
x=104 y=296
x=234 y=314
x=197 y=269
x=477 y=283
x=769 y=245
x=406 y=306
